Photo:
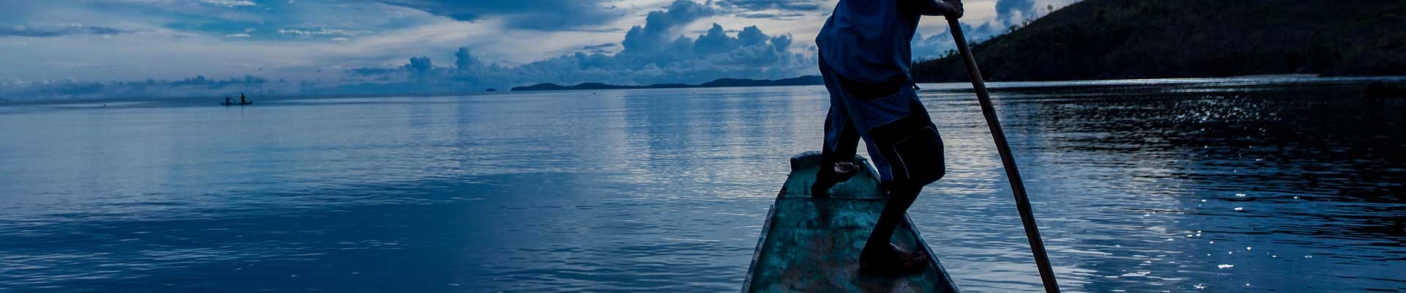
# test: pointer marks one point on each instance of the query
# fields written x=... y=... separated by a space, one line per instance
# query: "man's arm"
x=948 y=8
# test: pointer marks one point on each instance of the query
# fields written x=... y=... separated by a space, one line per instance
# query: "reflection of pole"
x=1022 y=203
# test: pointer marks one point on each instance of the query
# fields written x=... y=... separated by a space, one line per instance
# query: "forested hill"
x=1103 y=39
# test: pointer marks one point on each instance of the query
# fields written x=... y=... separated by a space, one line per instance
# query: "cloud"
x=323 y=32
x=771 y=4
x=465 y=60
x=369 y=71
x=778 y=16
x=368 y=43
x=420 y=66
x=521 y=14
x=55 y=31
x=198 y=86
x=652 y=53
x=655 y=53
x=938 y=45
x=659 y=26
x=1008 y=14
x=599 y=46
x=1012 y=12
x=229 y=3
x=201 y=81
x=715 y=41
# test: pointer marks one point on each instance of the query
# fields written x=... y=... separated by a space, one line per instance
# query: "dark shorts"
x=902 y=141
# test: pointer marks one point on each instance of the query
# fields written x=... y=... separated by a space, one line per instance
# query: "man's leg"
x=878 y=250
x=841 y=142
x=841 y=138
x=911 y=151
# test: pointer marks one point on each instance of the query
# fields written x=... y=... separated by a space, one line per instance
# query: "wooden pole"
x=1022 y=203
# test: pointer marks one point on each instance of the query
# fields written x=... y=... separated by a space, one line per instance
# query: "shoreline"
x=926 y=87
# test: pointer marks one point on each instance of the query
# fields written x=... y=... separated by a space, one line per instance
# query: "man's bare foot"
x=892 y=259
x=844 y=170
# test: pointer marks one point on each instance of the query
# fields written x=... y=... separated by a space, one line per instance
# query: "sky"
x=161 y=48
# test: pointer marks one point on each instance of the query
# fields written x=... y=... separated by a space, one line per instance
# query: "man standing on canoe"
x=864 y=57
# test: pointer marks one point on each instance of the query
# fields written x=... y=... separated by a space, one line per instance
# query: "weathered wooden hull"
x=812 y=244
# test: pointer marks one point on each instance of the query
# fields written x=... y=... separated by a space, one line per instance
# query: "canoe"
x=812 y=244
x=237 y=104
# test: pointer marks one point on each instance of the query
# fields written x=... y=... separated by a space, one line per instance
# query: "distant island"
x=1109 y=39
x=725 y=82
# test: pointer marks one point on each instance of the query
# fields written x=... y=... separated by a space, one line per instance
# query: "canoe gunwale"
x=761 y=243
x=932 y=258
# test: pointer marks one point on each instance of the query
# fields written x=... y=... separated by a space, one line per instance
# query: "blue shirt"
x=869 y=41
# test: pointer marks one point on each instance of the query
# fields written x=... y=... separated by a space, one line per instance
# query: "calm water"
x=1143 y=186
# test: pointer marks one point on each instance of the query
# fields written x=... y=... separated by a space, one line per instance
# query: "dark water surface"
x=1140 y=186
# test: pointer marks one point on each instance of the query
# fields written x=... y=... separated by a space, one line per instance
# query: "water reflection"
x=1171 y=186
x=1136 y=184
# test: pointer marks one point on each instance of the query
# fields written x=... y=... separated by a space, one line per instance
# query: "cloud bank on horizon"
x=167 y=48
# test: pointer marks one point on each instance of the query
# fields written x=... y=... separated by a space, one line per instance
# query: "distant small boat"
x=237 y=104
x=812 y=245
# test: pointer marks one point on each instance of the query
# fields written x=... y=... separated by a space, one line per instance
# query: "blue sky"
x=76 y=48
